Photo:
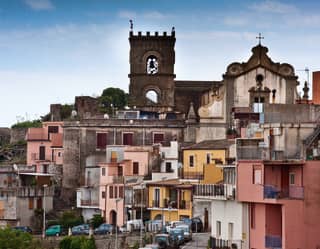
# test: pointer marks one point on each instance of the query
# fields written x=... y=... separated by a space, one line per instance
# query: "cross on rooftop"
x=260 y=38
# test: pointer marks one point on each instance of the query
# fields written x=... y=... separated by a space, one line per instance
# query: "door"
x=206 y=219
x=284 y=181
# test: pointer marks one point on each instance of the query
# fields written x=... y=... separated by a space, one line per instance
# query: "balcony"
x=35 y=191
x=90 y=203
x=273 y=241
x=185 y=204
x=155 y=203
x=214 y=191
x=193 y=175
x=38 y=157
x=293 y=192
x=118 y=179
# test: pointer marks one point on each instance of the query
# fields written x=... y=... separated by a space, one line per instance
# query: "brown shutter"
x=101 y=140
x=110 y=192
x=135 y=168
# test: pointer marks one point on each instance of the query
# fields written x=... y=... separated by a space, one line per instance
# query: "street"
x=199 y=240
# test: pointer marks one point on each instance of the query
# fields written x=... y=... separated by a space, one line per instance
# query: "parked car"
x=123 y=229
x=104 y=229
x=177 y=234
x=196 y=225
x=152 y=246
x=23 y=229
x=154 y=225
x=187 y=232
x=134 y=225
x=173 y=224
x=55 y=230
x=80 y=229
x=165 y=241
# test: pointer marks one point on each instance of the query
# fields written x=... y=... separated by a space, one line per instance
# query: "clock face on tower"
x=152 y=65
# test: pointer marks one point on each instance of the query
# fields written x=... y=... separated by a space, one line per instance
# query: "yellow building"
x=200 y=160
x=170 y=200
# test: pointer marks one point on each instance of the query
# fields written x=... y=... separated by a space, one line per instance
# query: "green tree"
x=96 y=220
x=70 y=219
x=112 y=98
x=13 y=239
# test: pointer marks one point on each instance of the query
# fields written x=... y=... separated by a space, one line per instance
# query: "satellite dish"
x=74 y=113
x=106 y=116
x=15 y=167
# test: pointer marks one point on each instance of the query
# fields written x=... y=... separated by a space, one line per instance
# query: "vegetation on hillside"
x=27 y=124
x=14 y=239
x=79 y=242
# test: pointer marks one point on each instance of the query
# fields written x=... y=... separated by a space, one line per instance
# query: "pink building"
x=283 y=203
x=45 y=146
x=124 y=165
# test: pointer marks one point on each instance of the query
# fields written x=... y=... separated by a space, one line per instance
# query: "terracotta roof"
x=211 y=145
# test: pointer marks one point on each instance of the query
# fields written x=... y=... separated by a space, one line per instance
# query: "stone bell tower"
x=152 y=59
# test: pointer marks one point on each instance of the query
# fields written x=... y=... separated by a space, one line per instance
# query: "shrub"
x=96 y=220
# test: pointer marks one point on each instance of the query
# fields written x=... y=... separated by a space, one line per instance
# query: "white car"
x=173 y=224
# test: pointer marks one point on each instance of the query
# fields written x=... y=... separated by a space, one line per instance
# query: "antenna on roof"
x=131 y=25
x=307 y=71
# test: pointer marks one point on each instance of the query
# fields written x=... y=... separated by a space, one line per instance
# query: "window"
x=168 y=167
x=115 y=192
x=31 y=203
x=103 y=194
x=120 y=171
x=120 y=191
x=53 y=129
x=156 y=197
x=127 y=139
x=59 y=154
x=191 y=160
x=103 y=171
x=42 y=153
x=135 y=168
x=208 y=159
x=218 y=229
x=110 y=192
x=257 y=174
x=291 y=178
x=152 y=65
x=230 y=231
x=252 y=215
x=45 y=168
x=158 y=138
x=101 y=141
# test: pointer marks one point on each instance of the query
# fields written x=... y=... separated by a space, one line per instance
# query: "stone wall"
x=4 y=135
x=18 y=134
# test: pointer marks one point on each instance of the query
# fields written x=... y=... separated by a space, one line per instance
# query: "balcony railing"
x=35 y=191
x=193 y=175
x=224 y=191
x=260 y=153
x=118 y=179
x=89 y=203
x=185 y=204
x=156 y=203
x=273 y=241
x=293 y=192
x=38 y=157
x=224 y=244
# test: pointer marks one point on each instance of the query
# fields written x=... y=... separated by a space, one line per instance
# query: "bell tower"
x=152 y=59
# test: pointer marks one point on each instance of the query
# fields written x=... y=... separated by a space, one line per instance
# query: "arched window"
x=152 y=65
x=152 y=96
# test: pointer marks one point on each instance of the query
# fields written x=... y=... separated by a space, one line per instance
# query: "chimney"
x=316 y=87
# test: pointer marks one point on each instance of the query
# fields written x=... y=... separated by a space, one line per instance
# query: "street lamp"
x=44 y=211
x=116 y=243
x=141 y=213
